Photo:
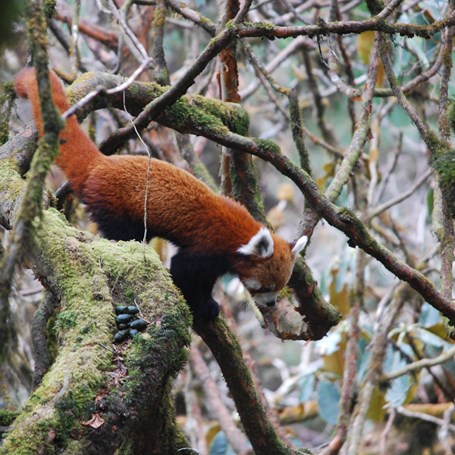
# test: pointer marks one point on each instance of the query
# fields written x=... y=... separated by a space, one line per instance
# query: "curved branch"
x=378 y=24
x=424 y=363
x=193 y=16
x=226 y=350
x=401 y=197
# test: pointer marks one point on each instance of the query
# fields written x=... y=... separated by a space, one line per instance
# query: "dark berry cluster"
x=128 y=322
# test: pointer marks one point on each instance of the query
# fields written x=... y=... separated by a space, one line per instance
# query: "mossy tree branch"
x=30 y=206
x=241 y=173
x=376 y=23
x=123 y=388
x=226 y=350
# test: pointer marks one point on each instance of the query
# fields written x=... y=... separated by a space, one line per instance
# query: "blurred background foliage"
x=10 y=12
x=302 y=381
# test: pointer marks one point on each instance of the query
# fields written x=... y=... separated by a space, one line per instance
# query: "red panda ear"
x=299 y=245
x=261 y=244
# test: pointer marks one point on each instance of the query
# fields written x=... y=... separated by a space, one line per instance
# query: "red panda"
x=214 y=234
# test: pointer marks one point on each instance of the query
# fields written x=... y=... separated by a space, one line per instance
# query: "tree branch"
x=419 y=365
x=378 y=24
x=224 y=346
x=125 y=392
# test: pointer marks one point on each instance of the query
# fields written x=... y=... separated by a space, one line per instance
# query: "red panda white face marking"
x=299 y=245
x=261 y=244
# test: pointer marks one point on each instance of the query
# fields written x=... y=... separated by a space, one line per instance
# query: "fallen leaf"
x=95 y=422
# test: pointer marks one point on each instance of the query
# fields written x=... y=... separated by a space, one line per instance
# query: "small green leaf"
x=429 y=338
x=398 y=391
x=307 y=388
x=220 y=445
x=328 y=398
x=429 y=316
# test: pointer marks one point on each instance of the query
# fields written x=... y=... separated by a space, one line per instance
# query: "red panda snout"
x=265 y=298
x=260 y=293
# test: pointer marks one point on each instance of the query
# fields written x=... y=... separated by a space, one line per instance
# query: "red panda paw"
x=208 y=311
x=212 y=309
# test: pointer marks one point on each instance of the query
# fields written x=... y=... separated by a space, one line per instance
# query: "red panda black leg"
x=195 y=276
x=113 y=224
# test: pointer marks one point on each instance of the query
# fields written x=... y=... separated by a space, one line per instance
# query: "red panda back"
x=180 y=207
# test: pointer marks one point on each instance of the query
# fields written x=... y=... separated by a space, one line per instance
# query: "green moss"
x=160 y=17
x=268 y=145
x=82 y=270
x=66 y=320
x=443 y=162
x=205 y=20
x=7 y=417
x=11 y=184
x=436 y=145
x=52 y=338
x=234 y=116
x=264 y=26
x=49 y=8
x=360 y=233
x=207 y=113
x=7 y=101
x=78 y=370
x=451 y=114
x=182 y=110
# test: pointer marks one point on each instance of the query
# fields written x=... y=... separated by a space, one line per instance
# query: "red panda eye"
x=265 y=289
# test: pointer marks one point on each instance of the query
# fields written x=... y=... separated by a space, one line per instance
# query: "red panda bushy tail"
x=78 y=154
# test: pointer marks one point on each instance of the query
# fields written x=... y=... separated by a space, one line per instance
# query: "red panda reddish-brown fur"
x=215 y=234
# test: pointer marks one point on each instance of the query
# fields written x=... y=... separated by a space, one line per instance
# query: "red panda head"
x=265 y=263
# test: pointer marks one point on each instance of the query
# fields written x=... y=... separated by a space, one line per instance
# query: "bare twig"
x=390 y=8
x=185 y=11
x=327 y=134
x=261 y=70
x=422 y=416
x=294 y=46
x=350 y=363
x=401 y=197
x=360 y=135
x=346 y=27
x=391 y=169
x=236 y=438
x=424 y=363
x=137 y=49
x=374 y=368
x=386 y=52
x=386 y=432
